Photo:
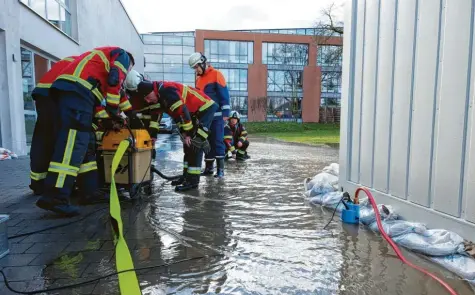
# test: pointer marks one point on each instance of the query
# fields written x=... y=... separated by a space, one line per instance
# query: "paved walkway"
x=72 y=254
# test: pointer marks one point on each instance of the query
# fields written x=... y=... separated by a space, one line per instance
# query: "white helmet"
x=132 y=80
x=235 y=114
x=195 y=59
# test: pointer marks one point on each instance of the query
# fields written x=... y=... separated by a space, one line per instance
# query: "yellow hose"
x=128 y=282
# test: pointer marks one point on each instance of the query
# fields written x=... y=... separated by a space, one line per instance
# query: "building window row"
x=284 y=54
x=330 y=55
x=221 y=51
x=284 y=81
x=56 y=12
x=236 y=79
x=284 y=108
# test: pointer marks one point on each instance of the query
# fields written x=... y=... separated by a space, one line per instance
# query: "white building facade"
x=408 y=124
x=36 y=33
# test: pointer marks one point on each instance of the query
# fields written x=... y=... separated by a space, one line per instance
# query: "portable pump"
x=351 y=213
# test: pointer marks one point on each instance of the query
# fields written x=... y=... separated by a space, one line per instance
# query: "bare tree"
x=330 y=54
x=329 y=25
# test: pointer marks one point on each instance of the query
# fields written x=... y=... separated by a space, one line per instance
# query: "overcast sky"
x=188 y=15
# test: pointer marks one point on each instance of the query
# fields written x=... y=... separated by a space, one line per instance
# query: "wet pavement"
x=255 y=230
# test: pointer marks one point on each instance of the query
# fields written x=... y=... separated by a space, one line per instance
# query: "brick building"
x=272 y=75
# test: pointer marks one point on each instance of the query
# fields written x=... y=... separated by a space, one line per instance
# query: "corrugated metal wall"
x=408 y=127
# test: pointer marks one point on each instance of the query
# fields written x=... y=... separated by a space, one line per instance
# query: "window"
x=172 y=40
x=329 y=55
x=169 y=49
x=167 y=56
x=56 y=12
x=331 y=82
x=153 y=58
x=229 y=51
x=33 y=67
x=284 y=81
x=239 y=103
x=152 y=39
x=284 y=108
x=236 y=79
x=174 y=59
x=284 y=54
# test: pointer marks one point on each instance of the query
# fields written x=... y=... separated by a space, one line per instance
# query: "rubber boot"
x=191 y=182
x=220 y=166
x=37 y=188
x=64 y=209
x=97 y=197
x=208 y=169
x=180 y=180
x=246 y=156
x=240 y=156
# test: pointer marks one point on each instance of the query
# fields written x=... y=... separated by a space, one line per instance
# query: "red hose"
x=395 y=247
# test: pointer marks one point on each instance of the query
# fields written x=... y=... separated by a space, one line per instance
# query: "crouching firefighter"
x=42 y=143
x=83 y=84
x=193 y=112
x=235 y=138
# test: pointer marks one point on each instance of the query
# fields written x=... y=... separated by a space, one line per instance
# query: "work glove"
x=134 y=121
x=114 y=112
x=199 y=143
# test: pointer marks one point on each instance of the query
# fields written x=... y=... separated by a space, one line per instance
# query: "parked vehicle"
x=167 y=125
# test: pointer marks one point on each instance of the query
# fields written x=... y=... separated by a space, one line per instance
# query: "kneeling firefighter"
x=235 y=137
x=82 y=85
x=192 y=110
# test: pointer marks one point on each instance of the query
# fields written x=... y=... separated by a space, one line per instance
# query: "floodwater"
x=263 y=237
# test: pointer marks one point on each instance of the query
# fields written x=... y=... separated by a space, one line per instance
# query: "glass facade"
x=284 y=54
x=236 y=79
x=284 y=81
x=329 y=58
x=330 y=55
x=225 y=56
x=239 y=103
x=166 y=57
x=220 y=51
x=56 y=12
x=284 y=108
x=295 y=31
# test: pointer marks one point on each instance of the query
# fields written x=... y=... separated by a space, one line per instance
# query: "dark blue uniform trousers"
x=216 y=140
x=195 y=159
x=42 y=143
x=73 y=153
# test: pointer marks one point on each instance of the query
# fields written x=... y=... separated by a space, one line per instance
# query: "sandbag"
x=462 y=265
x=367 y=215
x=432 y=242
x=396 y=228
x=7 y=154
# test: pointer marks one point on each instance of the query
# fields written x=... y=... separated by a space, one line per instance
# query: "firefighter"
x=42 y=143
x=192 y=110
x=93 y=79
x=235 y=138
x=213 y=84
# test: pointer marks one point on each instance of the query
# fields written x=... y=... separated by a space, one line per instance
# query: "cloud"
x=184 y=15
